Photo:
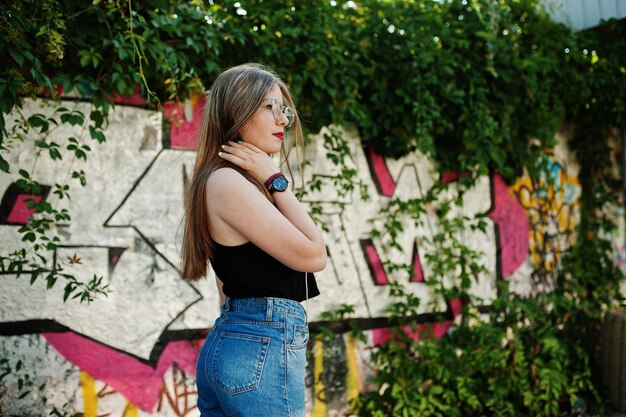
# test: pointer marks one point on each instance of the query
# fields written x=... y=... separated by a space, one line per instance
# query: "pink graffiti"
x=512 y=225
x=138 y=382
x=20 y=213
x=136 y=99
x=381 y=172
x=424 y=330
x=513 y=231
x=418 y=274
x=377 y=267
x=183 y=132
x=453 y=176
x=437 y=330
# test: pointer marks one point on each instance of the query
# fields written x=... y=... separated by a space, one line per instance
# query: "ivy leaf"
x=97 y=118
x=38 y=120
x=84 y=58
x=80 y=154
x=24 y=394
x=436 y=390
x=17 y=56
x=77 y=119
x=68 y=290
x=4 y=165
x=29 y=237
x=97 y=134
x=54 y=151
x=33 y=276
x=80 y=175
x=51 y=279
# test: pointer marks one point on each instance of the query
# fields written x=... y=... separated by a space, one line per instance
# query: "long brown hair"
x=232 y=101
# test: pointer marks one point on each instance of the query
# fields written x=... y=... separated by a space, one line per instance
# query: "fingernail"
x=240 y=142
x=219 y=154
x=223 y=146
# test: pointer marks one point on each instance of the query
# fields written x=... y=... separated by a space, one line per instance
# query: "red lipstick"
x=279 y=135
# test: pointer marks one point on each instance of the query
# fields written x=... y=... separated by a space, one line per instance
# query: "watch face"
x=280 y=184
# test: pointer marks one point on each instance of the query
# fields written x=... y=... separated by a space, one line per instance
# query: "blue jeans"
x=253 y=361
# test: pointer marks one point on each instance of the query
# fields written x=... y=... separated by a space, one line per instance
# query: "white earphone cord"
x=306 y=294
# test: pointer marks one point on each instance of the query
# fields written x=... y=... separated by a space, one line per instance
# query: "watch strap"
x=268 y=182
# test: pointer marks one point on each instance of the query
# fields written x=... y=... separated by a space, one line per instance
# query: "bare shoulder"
x=227 y=181
x=228 y=192
x=224 y=174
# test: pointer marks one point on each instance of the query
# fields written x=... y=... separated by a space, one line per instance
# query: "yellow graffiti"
x=130 y=411
x=90 y=397
x=319 y=403
x=550 y=202
x=354 y=377
x=194 y=99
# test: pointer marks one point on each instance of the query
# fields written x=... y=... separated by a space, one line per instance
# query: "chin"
x=273 y=149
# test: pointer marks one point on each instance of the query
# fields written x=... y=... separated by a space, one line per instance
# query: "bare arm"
x=220 y=290
x=285 y=231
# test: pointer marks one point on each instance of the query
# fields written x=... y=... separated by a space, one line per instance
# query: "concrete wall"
x=584 y=14
x=133 y=352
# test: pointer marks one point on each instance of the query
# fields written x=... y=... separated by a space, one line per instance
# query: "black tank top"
x=247 y=271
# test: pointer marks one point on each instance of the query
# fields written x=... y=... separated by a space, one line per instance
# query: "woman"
x=242 y=216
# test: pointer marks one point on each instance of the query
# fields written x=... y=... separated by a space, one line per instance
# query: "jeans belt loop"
x=269 y=306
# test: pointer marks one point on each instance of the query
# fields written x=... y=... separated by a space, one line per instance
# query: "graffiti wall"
x=133 y=352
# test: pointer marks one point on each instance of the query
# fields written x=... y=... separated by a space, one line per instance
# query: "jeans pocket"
x=300 y=337
x=238 y=361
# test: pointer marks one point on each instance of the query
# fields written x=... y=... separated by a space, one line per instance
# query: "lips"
x=279 y=135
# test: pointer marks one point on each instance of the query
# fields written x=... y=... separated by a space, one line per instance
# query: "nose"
x=283 y=120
